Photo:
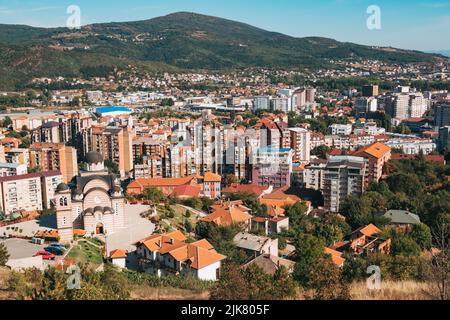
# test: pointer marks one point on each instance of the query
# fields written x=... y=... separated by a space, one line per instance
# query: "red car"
x=45 y=255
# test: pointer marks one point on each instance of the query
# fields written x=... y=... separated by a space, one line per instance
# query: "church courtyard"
x=137 y=229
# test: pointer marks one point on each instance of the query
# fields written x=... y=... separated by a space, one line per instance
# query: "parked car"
x=57 y=245
x=45 y=255
x=54 y=250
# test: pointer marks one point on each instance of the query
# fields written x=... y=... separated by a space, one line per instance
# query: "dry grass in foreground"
x=150 y=293
x=401 y=290
x=390 y=290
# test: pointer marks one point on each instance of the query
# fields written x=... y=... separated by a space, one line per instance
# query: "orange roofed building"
x=365 y=240
x=377 y=155
x=186 y=187
x=229 y=213
x=278 y=198
x=336 y=256
x=168 y=254
x=252 y=189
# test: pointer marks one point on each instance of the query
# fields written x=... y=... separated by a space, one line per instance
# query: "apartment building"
x=49 y=132
x=370 y=91
x=18 y=155
x=444 y=137
x=29 y=192
x=366 y=105
x=206 y=142
x=413 y=146
x=406 y=105
x=300 y=144
x=272 y=167
x=180 y=161
x=12 y=169
x=341 y=129
x=147 y=147
x=342 y=176
x=442 y=116
x=261 y=103
x=377 y=155
x=312 y=177
x=55 y=156
x=150 y=168
x=114 y=143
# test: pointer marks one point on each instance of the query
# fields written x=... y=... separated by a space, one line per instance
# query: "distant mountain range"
x=445 y=53
x=177 y=41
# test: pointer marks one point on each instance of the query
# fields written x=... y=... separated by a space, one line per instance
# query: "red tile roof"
x=117 y=254
x=187 y=191
x=245 y=189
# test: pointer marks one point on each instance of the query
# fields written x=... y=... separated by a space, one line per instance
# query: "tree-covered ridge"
x=182 y=40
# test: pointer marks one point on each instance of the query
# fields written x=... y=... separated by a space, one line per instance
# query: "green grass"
x=86 y=253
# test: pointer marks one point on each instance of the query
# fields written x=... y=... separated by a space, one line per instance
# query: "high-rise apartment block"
x=343 y=176
x=55 y=156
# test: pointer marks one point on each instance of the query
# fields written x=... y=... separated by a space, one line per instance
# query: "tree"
x=115 y=284
x=188 y=225
x=4 y=255
x=112 y=166
x=154 y=195
x=404 y=245
x=296 y=213
x=421 y=234
x=6 y=122
x=309 y=250
x=321 y=151
x=231 y=285
x=14 y=134
x=252 y=202
x=406 y=183
x=326 y=282
x=438 y=271
x=230 y=179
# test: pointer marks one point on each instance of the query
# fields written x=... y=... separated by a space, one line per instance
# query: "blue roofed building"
x=112 y=111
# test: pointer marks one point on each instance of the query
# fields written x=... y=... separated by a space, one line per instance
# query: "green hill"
x=176 y=41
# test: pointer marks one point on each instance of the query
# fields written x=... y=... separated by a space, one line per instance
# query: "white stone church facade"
x=95 y=202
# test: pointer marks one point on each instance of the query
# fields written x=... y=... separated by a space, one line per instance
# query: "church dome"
x=94 y=157
x=62 y=187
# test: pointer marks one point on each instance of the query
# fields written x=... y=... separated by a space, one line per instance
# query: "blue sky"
x=409 y=24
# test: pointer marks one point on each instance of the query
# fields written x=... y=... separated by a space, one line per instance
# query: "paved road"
x=29 y=228
x=138 y=229
x=19 y=248
x=201 y=214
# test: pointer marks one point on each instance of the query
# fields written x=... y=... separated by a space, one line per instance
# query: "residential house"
x=402 y=219
x=336 y=256
x=254 y=245
x=272 y=225
x=251 y=189
x=365 y=240
x=229 y=213
x=169 y=254
x=270 y=264
x=119 y=258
